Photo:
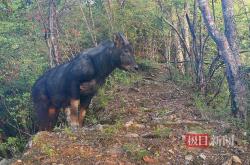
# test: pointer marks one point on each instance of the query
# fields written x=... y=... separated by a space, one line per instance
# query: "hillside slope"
x=143 y=122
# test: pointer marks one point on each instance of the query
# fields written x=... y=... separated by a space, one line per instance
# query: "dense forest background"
x=36 y=35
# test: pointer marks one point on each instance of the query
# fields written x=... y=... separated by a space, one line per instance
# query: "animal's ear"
x=120 y=40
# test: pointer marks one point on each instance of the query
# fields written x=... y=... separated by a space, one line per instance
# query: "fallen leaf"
x=148 y=159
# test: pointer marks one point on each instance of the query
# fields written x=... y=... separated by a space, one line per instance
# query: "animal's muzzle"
x=136 y=67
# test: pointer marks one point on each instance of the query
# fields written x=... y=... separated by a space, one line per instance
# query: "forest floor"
x=144 y=122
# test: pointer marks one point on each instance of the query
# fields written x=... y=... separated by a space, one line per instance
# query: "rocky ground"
x=144 y=122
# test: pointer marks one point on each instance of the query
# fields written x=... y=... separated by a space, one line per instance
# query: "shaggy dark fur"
x=73 y=84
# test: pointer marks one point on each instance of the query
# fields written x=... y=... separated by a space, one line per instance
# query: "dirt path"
x=143 y=123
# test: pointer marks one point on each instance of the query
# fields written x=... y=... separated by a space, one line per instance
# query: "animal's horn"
x=125 y=41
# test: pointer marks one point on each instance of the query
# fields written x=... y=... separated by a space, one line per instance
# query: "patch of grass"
x=47 y=150
x=146 y=64
x=134 y=151
x=162 y=112
x=35 y=139
x=123 y=104
x=217 y=110
x=103 y=98
x=144 y=109
x=180 y=79
x=123 y=78
x=11 y=147
x=106 y=93
x=91 y=118
x=198 y=129
x=68 y=131
x=113 y=129
x=162 y=132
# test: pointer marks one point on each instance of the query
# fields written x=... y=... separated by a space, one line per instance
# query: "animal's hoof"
x=74 y=128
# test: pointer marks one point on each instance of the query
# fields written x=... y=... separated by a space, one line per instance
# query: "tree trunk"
x=197 y=59
x=236 y=87
x=230 y=30
x=109 y=12
x=92 y=23
x=187 y=39
x=177 y=22
x=90 y=30
x=52 y=35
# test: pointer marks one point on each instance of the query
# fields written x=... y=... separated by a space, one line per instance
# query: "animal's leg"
x=82 y=114
x=53 y=115
x=84 y=105
x=74 y=107
x=42 y=115
x=67 y=113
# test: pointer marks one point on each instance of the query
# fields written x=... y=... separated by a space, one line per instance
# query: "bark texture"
x=236 y=87
x=51 y=35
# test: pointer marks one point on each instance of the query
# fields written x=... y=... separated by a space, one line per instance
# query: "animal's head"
x=127 y=59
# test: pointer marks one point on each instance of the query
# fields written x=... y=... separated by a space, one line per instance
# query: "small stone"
x=99 y=127
x=233 y=160
x=245 y=133
x=29 y=144
x=202 y=156
x=132 y=135
x=19 y=161
x=129 y=123
x=4 y=161
x=171 y=151
x=189 y=158
x=140 y=126
x=236 y=160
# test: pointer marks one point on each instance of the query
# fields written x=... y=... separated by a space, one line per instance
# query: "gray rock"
x=189 y=157
x=5 y=162
x=132 y=135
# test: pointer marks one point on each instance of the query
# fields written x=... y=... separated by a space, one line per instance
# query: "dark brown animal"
x=72 y=85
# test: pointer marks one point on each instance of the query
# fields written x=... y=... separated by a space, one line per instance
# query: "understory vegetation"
x=163 y=32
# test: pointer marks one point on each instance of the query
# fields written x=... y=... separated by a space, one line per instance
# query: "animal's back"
x=53 y=83
x=41 y=87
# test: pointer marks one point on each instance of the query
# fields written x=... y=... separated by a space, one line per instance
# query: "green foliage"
x=23 y=54
x=105 y=93
x=218 y=109
x=12 y=146
x=20 y=64
x=199 y=129
x=180 y=79
x=117 y=78
x=147 y=64
x=135 y=151
x=48 y=150
x=123 y=78
x=162 y=132
x=68 y=131
x=113 y=129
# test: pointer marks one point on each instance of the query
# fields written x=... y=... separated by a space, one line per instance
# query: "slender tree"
x=230 y=56
x=51 y=35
